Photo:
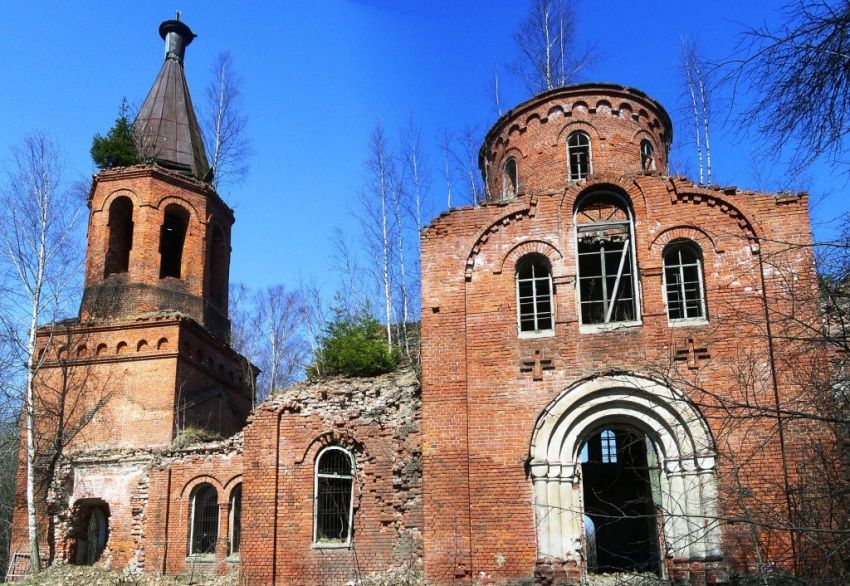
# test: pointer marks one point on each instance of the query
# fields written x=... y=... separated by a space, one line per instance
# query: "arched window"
x=171 y=240
x=334 y=488
x=534 y=294
x=510 y=180
x=578 y=150
x=235 y=520
x=683 y=284
x=606 y=272
x=120 y=236
x=204 y=532
x=647 y=156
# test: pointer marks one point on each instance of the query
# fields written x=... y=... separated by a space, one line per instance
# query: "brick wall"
x=481 y=393
x=377 y=421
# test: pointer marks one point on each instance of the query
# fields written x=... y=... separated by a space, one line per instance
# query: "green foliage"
x=353 y=345
x=118 y=147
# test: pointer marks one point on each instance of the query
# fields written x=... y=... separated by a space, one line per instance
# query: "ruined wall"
x=377 y=420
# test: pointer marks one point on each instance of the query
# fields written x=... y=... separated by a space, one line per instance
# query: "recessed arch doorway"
x=660 y=503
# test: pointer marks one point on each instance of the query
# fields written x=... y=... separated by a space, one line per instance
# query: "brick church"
x=607 y=355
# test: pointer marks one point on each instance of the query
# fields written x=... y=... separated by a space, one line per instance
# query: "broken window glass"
x=647 y=156
x=605 y=267
x=510 y=179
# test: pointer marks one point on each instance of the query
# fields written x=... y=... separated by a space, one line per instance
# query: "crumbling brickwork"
x=377 y=421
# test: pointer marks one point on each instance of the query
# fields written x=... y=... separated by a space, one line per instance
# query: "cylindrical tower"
x=569 y=133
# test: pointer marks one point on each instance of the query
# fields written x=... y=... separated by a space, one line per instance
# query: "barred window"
x=606 y=273
x=647 y=156
x=510 y=179
x=534 y=293
x=204 y=520
x=609 y=447
x=683 y=284
x=334 y=488
x=235 y=519
x=578 y=150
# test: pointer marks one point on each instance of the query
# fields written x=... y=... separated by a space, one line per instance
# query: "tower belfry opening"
x=620 y=479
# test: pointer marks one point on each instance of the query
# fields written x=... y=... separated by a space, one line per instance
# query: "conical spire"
x=166 y=128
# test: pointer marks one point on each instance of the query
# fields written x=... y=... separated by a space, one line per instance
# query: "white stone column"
x=708 y=492
x=674 y=510
x=556 y=547
x=541 y=508
x=569 y=511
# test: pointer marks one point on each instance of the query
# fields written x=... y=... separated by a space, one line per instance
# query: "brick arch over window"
x=684 y=232
x=529 y=247
x=679 y=435
x=528 y=209
x=626 y=188
x=571 y=126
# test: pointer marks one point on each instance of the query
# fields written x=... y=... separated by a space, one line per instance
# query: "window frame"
x=636 y=291
x=537 y=332
x=506 y=176
x=196 y=491
x=578 y=176
x=677 y=246
x=644 y=156
x=327 y=543
x=235 y=528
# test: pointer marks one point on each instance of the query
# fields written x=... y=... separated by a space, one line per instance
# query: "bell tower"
x=159 y=234
x=153 y=325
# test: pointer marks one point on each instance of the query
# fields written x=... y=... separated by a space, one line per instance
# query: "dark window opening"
x=534 y=293
x=621 y=484
x=218 y=266
x=204 y=520
x=683 y=282
x=92 y=535
x=647 y=156
x=172 y=239
x=334 y=486
x=606 y=274
x=120 y=226
x=510 y=180
x=578 y=149
x=236 y=520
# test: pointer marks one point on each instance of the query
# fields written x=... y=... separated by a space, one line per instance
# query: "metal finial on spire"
x=178 y=15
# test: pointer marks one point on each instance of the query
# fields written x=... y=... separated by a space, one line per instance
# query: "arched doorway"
x=92 y=532
x=621 y=494
x=667 y=476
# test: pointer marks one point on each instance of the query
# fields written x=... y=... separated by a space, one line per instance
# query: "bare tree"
x=546 y=41
x=697 y=88
x=798 y=75
x=376 y=222
x=37 y=239
x=282 y=348
x=225 y=124
x=267 y=329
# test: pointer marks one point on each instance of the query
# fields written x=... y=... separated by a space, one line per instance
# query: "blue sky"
x=318 y=76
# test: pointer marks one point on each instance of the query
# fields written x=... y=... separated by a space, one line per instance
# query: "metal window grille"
x=334 y=486
x=204 y=520
x=534 y=295
x=683 y=283
x=647 y=156
x=236 y=520
x=578 y=148
x=606 y=283
x=609 y=447
x=510 y=179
